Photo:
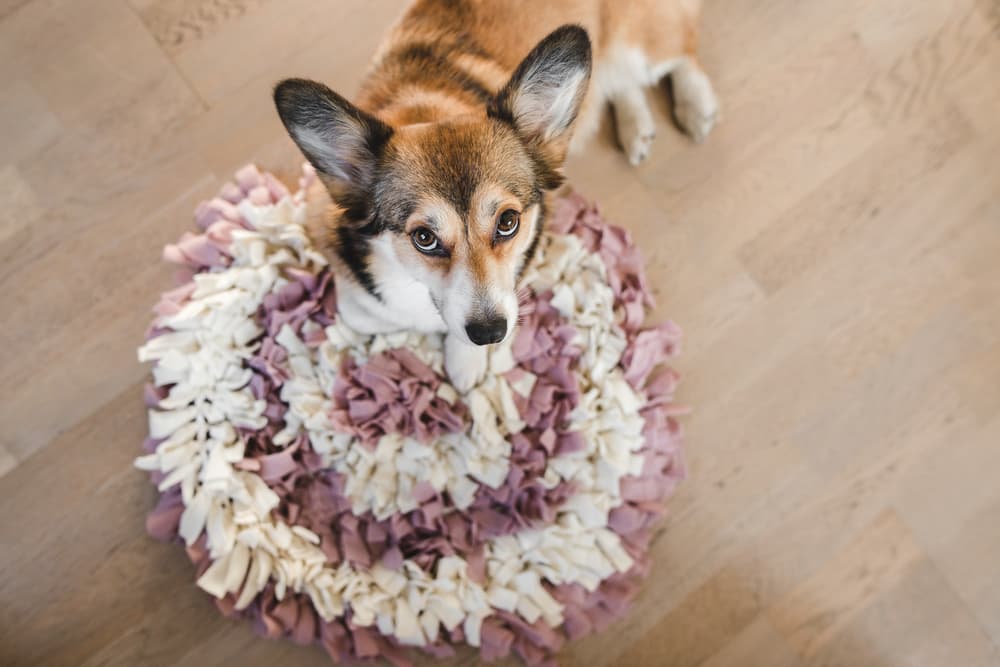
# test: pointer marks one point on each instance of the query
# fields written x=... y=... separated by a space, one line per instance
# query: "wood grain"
x=830 y=252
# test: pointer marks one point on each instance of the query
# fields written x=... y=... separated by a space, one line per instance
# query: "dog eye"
x=425 y=241
x=508 y=223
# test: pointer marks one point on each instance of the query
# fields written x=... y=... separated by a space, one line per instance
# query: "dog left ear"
x=544 y=95
x=342 y=141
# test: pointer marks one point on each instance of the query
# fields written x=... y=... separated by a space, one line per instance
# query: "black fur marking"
x=430 y=63
x=353 y=241
x=352 y=248
x=529 y=252
x=391 y=213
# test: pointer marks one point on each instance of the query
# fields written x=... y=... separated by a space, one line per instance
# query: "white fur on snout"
x=457 y=302
x=506 y=305
x=467 y=300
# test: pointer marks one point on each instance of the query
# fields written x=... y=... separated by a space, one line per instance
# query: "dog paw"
x=465 y=364
x=637 y=148
x=634 y=122
x=697 y=120
x=696 y=107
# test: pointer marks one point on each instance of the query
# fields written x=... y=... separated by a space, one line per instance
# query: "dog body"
x=439 y=173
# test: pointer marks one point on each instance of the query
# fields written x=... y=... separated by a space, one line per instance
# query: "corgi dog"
x=440 y=170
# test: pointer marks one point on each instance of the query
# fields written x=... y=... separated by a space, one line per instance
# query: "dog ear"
x=544 y=95
x=343 y=142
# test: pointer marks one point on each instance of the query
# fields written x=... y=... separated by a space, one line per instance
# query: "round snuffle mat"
x=334 y=488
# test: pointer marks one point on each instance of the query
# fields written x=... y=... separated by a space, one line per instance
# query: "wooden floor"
x=832 y=252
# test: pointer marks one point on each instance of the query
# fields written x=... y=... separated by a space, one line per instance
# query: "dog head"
x=455 y=205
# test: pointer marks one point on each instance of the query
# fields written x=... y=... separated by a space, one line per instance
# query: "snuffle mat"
x=334 y=488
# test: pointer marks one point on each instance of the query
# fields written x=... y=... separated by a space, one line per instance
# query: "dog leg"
x=464 y=362
x=634 y=123
x=695 y=106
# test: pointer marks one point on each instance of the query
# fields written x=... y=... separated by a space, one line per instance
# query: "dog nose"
x=484 y=332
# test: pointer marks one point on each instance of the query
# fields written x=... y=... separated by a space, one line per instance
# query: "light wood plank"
x=825 y=603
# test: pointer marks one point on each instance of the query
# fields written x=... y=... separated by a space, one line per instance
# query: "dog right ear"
x=544 y=95
x=342 y=141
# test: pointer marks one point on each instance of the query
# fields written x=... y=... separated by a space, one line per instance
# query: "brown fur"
x=445 y=59
x=486 y=39
x=467 y=112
